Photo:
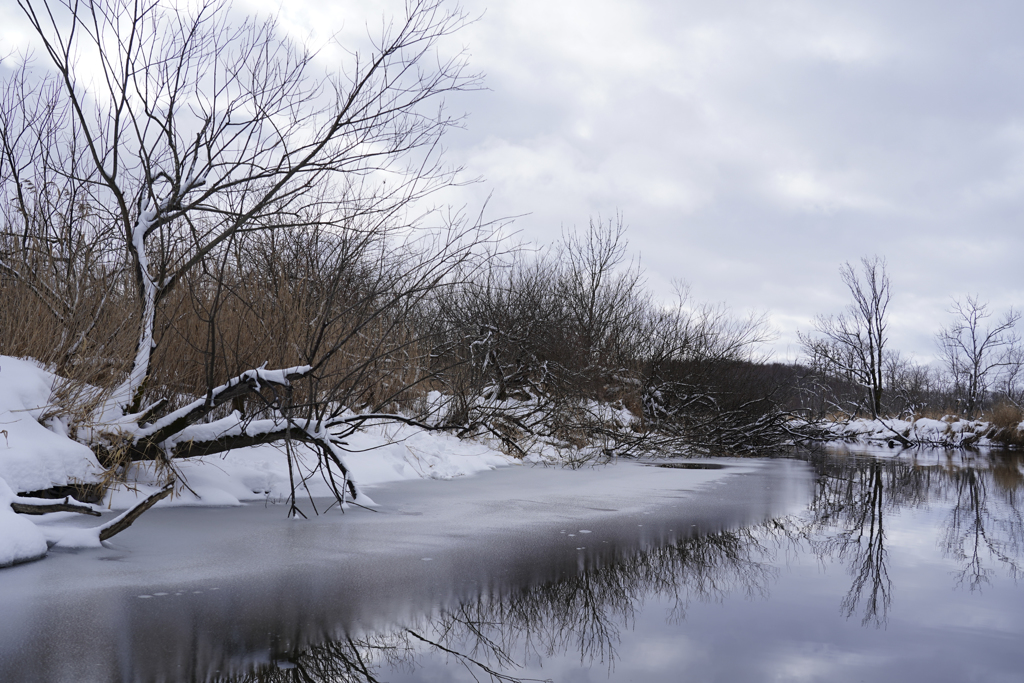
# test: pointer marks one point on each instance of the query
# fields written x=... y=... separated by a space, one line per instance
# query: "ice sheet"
x=189 y=591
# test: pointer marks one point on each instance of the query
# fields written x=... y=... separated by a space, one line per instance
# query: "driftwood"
x=41 y=506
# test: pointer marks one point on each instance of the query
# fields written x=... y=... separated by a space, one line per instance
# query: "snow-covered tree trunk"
x=127 y=397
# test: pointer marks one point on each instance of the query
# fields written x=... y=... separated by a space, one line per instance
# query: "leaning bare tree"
x=176 y=138
x=852 y=345
x=973 y=353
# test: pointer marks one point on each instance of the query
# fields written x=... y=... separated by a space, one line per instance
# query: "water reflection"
x=983 y=530
x=583 y=614
x=978 y=529
x=856 y=499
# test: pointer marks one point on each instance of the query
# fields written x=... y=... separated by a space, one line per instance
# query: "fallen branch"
x=123 y=521
x=248 y=382
x=35 y=506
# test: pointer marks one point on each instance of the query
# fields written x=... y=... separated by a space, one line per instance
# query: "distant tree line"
x=853 y=369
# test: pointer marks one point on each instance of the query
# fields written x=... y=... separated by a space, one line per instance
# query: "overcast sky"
x=752 y=147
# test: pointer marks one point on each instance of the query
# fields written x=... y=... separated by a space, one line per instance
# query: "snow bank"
x=949 y=432
x=375 y=456
x=34 y=456
x=20 y=539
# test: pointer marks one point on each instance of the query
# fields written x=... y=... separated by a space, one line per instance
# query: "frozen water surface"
x=188 y=592
x=839 y=568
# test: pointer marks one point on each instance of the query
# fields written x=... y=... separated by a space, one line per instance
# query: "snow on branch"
x=42 y=506
x=247 y=382
x=230 y=433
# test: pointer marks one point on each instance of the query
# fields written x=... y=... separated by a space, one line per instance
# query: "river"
x=842 y=566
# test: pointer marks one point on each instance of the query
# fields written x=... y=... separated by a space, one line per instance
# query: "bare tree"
x=539 y=335
x=910 y=387
x=603 y=296
x=61 y=264
x=563 y=345
x=1012 y=384
x=179 y=135
x=853 y=344
x=974 y=354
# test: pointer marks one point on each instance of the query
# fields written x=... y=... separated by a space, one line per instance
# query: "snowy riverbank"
x=949 y=432
x=36 y=454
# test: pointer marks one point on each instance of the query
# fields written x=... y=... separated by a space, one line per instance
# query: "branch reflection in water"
x=983 y=529
x=496 y=635
x=583 y=614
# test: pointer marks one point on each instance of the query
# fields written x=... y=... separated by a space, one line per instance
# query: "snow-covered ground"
x=378 y=455
x=36 y=453
x=949 y=432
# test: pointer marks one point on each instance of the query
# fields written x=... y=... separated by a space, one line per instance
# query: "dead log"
x=28 y=506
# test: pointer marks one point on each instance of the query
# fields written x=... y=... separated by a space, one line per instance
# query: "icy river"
x=846 y=566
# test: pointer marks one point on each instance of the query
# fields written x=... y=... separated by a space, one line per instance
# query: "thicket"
x=563 y=345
